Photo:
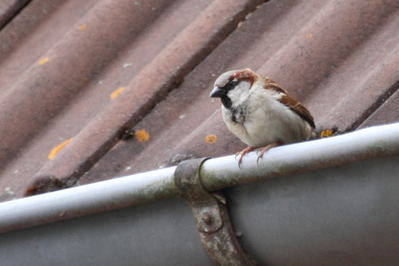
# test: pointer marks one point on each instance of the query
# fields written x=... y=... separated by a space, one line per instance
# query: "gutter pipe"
x=216 y=174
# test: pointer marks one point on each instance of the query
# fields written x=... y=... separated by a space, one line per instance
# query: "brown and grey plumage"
x=260 y=113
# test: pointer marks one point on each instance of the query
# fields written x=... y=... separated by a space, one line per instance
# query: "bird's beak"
x=217 y=92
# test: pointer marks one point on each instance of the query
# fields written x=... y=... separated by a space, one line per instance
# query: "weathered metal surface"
x=212 y=218
x=355 y=146
x=158 y=233
x=143 y=92
x=205 y=207
x=62 y=59
x=324 y=58
x=386 y=113
x=344 y=215
x=215 y=174
x=89 y=199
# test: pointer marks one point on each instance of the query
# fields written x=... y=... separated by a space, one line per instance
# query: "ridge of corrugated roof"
x=338 y=57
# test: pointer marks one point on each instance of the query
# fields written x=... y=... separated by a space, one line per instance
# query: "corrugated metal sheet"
x=86 y=71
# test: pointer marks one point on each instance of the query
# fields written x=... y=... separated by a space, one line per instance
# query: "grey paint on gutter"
x=345 y=215
x=216 y=174
x=157 y=233
x=342 y=215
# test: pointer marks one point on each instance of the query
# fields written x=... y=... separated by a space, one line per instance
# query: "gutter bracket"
x=211 y=214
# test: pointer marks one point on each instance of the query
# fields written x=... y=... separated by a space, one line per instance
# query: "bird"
x=260 y=112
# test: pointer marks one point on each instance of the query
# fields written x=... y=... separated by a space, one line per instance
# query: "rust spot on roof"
x=117 y=92
x=327 y=133
x=142 y=135
x=58 y=148
x=82 y=27
x=211 y=138
x=43 y=61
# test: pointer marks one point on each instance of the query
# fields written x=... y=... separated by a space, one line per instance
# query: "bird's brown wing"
x=290 y=102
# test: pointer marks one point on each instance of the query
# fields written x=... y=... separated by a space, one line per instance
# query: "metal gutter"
x=362 y=144
x=216 y=174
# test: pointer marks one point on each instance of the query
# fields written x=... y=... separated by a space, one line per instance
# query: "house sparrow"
x=260 y=113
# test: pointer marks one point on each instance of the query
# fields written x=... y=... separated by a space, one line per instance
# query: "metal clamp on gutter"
x=213 y=223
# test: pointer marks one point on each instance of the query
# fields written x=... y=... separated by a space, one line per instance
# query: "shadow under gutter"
x=343 y=212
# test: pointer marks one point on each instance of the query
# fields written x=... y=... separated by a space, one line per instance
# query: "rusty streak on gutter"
x=147 y=88
x=216 y=174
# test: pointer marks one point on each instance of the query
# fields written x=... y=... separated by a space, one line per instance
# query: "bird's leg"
x=243 y=152
x=265 y=149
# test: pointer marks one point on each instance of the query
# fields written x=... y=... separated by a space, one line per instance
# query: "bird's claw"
x=242 y=154
x=248 y=149
x=259 y=157
x=265 y=149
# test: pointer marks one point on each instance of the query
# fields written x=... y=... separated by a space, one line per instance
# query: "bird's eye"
x=231 y=84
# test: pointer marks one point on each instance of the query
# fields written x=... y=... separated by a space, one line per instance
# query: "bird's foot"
x=243 y=152
x=265 y=149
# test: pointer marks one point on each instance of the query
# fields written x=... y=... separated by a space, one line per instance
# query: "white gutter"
x=216 y=174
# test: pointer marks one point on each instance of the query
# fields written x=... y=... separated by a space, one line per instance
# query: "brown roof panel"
x=387 y=112
x=89 y=71
x=317 y=71
x=71 y=82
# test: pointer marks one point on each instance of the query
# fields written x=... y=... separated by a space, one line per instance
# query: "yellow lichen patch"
x=142 y=135
x=117 y=92
x=211 y=138
x=326 y=133
x=82 y=27
x=58 y=148
x=309 y=36
x=43 y=61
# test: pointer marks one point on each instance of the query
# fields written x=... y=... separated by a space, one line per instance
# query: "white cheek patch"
x=240 y=93
x=243 y=86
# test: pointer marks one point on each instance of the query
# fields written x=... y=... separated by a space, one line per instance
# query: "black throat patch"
x=226 y=102
x=238 y=115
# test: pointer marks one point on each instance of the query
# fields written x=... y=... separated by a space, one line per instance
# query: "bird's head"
x=233 y=87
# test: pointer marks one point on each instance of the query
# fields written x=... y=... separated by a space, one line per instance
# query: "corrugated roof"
x=75 y=75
